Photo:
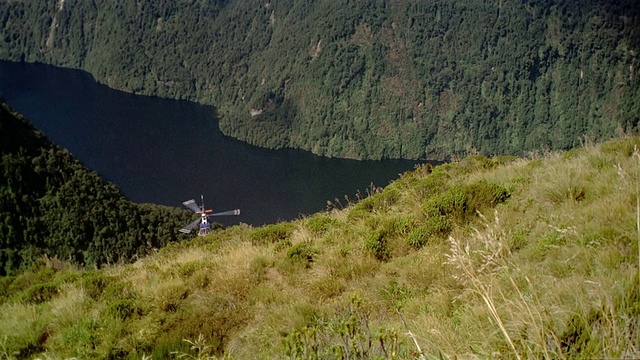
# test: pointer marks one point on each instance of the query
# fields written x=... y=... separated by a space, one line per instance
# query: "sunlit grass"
x=549 y=272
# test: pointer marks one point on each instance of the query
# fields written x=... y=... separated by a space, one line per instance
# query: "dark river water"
x=166 y=151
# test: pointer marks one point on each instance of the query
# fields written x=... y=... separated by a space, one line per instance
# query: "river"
x=166 y=151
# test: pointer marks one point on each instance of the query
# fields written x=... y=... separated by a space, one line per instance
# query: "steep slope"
x=51 y=205
x=360 y=79
x=483 y=258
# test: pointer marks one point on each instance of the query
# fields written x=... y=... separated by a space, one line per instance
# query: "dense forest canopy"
x=360 y=79
x=51 y=205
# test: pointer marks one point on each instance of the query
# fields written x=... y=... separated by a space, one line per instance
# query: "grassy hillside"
x=502 y=258
x=360 y=79
x=52 y=205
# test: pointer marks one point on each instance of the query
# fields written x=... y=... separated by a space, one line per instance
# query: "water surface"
x=167 y=151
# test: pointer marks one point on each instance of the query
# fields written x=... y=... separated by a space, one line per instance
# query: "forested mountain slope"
x=360 y=79
x=50 y=204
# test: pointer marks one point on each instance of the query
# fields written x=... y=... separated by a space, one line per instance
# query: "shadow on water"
x=167 y=151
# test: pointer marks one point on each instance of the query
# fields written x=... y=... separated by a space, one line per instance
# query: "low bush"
x=200 y=279
x=376 y=245
x=168 y=297
x=94 y=283
x=435 y=183
x=418 y=237
x=575 y=190
x=449 y=203
x=347 y=334
x=301 y=253
x=356 y=214
x=460 y=202
x=188 y=269
x=438 y=225
x=573 y=153
x=29 y=278
x=118 y=290
x=281 y=245
x=212 y=318
x=39 y=293
x=535 y=163
x=625 y=146
x=399 y=226
x=474 y=163
x=318 y=225
x=124 y=309
x=379 y=202
x=504 y=159
x=483 y=194
x=271 y=234
x=258 y=268
x=594 y=332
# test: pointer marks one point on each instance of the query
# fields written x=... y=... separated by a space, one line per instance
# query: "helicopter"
x=203 y=220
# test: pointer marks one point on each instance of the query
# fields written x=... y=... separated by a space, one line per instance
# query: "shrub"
x=124 y=309
x=258 y=268
x=504 y=159
x=399 y=226
x=200 y=279
x=168 y=297
x=118 y=290
x=482 y=194
x=417 y=237
x=94 y=283
x=535 y=163
x=572 y=153
x=281 y=245
x=396 y=293
x=320 y=224
x=403 y=225
x=376 y=245
x=189 y=269
x=356 y=214
x=449 y=203
x=302 y=252
x=421 y=170
x=581 y=339
x=84 y=336
x=461 y=202
x=473 y=163
x=40 y=293
x=347 y=334
x=433 y=184
x=5 y=283
x=28 y=279
x=624 y=146
x=379 y=202
x=272 y=234
x=438 y=225
x=575 y=190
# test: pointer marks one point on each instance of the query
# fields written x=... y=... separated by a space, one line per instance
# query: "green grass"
x=484 y=258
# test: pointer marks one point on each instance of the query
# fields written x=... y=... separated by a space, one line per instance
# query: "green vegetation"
x=482 y=258
x=360 y=79
x=53 y=206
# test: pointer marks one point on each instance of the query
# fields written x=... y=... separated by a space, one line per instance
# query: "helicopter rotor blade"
x=226 y=213
x=191 y=204
x=187 y=229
